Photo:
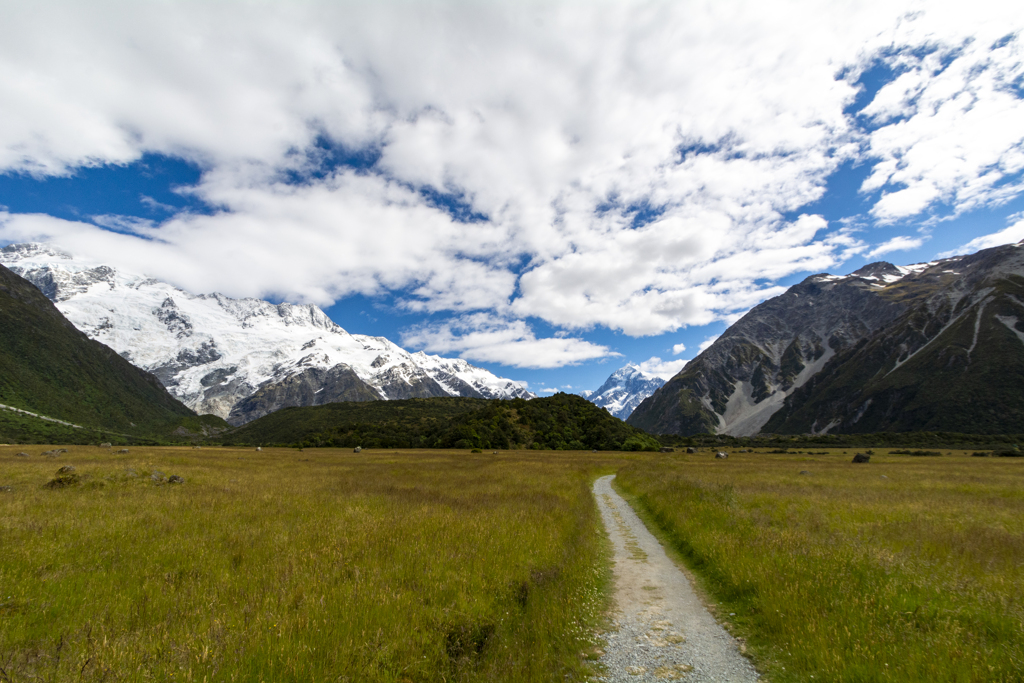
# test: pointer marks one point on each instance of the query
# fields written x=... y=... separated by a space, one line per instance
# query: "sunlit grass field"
x=902 y=569
x=281 y=565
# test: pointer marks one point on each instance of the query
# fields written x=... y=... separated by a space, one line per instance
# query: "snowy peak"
x=624 y=390
x=240 y=358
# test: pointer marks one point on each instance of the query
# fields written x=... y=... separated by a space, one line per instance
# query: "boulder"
x=67 y=469
x=175 y=479
x=861 y=457
x=123 y=450
x=721 y=455
x=24 y=455
x=357 y=449
x=105 y=445
x=691 y=449
x=666 y=449
x=259 y=450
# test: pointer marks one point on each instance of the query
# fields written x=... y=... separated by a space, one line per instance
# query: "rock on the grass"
x=175 y=479
x=24 y=455
x=721 y=455
x=67 y=469
x=861 y=458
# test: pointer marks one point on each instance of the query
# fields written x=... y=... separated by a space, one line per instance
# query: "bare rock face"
x=311 y=387
x=936 y=346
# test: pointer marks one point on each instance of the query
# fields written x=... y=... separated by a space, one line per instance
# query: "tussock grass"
x=299 y=566
x=903 y=569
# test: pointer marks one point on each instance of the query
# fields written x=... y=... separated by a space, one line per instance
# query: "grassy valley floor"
x=409 y=566
x=902 y=569
x=281 y=565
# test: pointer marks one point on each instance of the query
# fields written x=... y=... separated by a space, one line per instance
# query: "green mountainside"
x=49 y=368
x=559 y=422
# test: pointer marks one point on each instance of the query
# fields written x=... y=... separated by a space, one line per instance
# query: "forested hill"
x=559 y=422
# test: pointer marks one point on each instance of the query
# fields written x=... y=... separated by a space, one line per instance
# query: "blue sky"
x=548 y=190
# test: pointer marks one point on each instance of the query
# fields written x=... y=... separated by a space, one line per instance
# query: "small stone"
x=6 y=489
x=24 y=455
x=175 y=479
x=157 y=476
x=884 y=477
x=123 y=450
x=67 y=469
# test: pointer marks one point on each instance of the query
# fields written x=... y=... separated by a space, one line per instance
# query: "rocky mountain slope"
x=49 y=368
x=240 y=358
x=624 y=390
x=935 y=346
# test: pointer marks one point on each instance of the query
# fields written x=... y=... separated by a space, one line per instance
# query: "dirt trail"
x=663 y=631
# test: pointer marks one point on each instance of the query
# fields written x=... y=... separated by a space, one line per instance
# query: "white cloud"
x=665 y=369
x=708 y=342
x=553 y=120
x=899 y=243
x=952 y=123
x=678 y=349
x=1009 y=235
x=481 y=337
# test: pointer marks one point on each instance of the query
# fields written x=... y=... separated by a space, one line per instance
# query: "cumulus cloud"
x=641 y=168
x=950 y=128
x=665 y=369
x=482 y=337
x=708 y=342
x=678 y=349
x=1009 y=235
x=899 y=243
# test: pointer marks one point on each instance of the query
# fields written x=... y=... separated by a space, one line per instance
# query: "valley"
x=392 y=565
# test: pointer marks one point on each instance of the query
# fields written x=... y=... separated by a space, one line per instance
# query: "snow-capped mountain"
x=933 y=346
x=624 y=390
x=240 y=358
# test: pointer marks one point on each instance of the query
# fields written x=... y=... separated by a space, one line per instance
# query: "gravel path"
x=663 y=630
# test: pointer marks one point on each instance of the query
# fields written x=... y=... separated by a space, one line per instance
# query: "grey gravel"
x=662 y=631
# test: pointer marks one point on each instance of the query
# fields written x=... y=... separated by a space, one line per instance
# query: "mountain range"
x=935 y=346
x=240 y=359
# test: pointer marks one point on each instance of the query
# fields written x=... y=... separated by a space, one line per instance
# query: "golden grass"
x=320 y=565
x=902 y=569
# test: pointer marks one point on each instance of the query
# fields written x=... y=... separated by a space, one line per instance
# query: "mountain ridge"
x=239 y=358
x=768 y=371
